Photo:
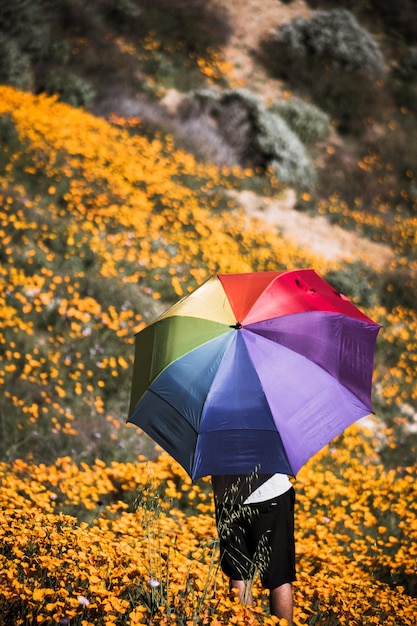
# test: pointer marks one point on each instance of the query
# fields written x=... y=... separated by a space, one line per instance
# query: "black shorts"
x=258 y=538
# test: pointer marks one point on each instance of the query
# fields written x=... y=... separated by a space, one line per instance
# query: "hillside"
x=183 y=218
x=251 y=21
x=346 y=157
x=144 y=146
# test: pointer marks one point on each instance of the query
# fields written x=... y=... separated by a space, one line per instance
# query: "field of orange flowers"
x=145 y=550
x=99 y=225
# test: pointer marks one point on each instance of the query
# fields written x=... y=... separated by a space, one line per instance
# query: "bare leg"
x=281 y=602
x=244 y=588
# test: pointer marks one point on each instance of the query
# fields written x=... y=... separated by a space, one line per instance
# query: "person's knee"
x=243 y=589
x=281 y=602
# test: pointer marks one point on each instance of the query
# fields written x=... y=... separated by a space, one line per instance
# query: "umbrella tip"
x=238 y=326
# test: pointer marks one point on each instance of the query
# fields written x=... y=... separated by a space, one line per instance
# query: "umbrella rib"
x=149 y=390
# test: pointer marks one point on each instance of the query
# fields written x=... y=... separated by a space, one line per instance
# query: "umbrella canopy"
x=253 y=372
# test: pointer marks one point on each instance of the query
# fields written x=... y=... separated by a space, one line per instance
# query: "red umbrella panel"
x=253 y=372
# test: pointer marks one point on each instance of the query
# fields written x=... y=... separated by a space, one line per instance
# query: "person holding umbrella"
x=255 y=522
x=245 y=379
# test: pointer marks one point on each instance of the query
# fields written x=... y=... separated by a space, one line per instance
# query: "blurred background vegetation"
x=339 y=134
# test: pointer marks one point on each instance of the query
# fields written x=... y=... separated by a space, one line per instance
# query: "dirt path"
x=313 y=233
x=252 y=19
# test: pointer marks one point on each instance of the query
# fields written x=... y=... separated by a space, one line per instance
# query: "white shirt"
x=273 y=487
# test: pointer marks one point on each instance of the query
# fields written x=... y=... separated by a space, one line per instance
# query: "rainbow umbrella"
x=253 y=372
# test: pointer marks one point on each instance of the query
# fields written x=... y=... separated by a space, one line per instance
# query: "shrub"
x=23 y=20
x=332 y=56
x=258 y=138
x=15 y=66
x=334 y=37
x=309 y=122
x=70 y=88
x=59 y=52
x=197 y=135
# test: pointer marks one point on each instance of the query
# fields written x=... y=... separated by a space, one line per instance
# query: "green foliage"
x=331 y=56
x=399 y=288
x=15 y=67
x=23 y=21
x=70 y=88
x=59 y=52
x=392 y=458
x=9 y=141
x=258 y=138
x=333 y=37
x=309 y=122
